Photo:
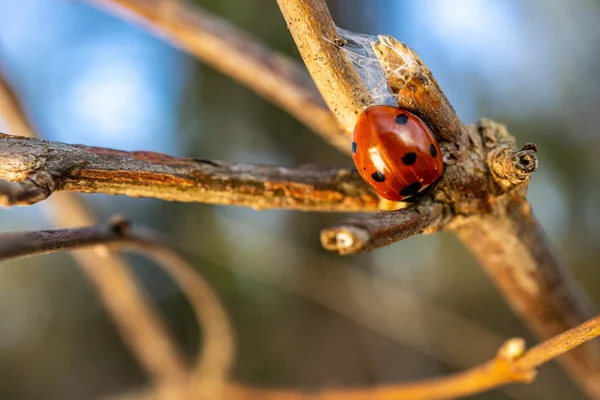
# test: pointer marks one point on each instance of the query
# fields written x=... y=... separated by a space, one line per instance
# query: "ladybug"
x=395 y=152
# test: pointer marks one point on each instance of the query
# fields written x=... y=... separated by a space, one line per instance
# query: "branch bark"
x=43 y=167
x=379 y=230
x=315 y=33
x=514 y=252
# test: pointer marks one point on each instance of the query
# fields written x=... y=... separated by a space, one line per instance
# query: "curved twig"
x=214 y=365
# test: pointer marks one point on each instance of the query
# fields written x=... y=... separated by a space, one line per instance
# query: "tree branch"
x=368 y=233
x=237 y=54
x=513 y=250
x=315 y=33
x=43 y=167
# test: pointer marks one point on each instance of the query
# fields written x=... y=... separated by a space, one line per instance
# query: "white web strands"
x=381 y=62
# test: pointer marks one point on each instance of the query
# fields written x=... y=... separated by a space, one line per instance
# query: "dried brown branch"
x=236 y=54
x=43 y=167
x=511 y=364
x=115 y=285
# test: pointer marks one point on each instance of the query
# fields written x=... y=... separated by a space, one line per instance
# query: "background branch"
x=212 y=368
x=47 y=166
x=237 y=54
x=512 y=364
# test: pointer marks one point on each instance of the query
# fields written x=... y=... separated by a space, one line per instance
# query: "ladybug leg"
x=410 y=200
x=428 y=191
x=431 y=188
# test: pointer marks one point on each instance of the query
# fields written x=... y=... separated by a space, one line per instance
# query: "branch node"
x=119 y=225
x=512 y=349
x=512 y=167
x=344 y=240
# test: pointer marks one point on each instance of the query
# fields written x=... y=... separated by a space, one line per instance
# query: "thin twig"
x=237 y=54
x=368 y=233
x=43 y=167
x=139 y=326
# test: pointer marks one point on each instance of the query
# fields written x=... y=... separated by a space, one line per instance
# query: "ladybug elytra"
x=395 y=152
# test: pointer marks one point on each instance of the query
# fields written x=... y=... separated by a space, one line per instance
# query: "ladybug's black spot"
x=432 y=151
x=354 y=147
x=411 y=190
x=401 y=119
x=409 y=158
x=378 y=176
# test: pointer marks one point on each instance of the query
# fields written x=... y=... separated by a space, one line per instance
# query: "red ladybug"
x=395 y=152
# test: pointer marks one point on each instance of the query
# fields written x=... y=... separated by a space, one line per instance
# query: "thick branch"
x=43 y=167
x=236 y=54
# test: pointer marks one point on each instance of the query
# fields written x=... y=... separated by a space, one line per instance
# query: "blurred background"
x=303 y=317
